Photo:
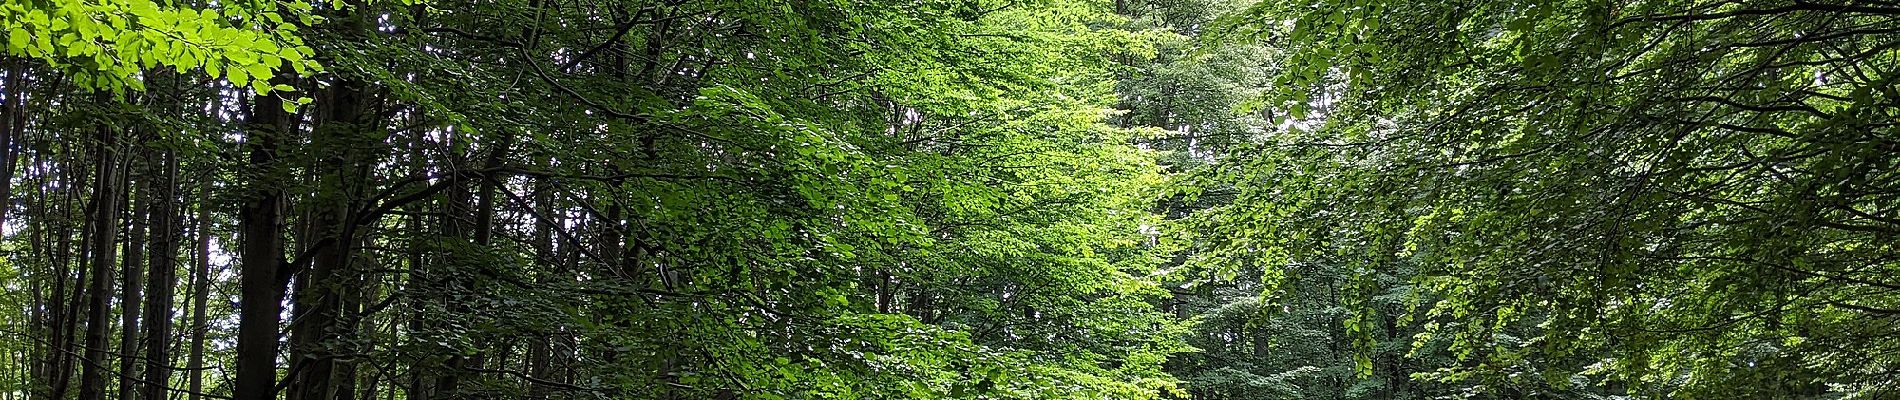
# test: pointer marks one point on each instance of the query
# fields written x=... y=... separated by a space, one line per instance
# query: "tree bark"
x=103 y=230
x=322 y=293
x=164 y=277
x=200 y=293
x=65 y=321
x=132 y=273
x=12 y=124
x=261 y=219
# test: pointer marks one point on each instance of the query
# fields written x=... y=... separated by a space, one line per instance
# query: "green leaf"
x=238 y=77
x=260 y=71
x=17 y=38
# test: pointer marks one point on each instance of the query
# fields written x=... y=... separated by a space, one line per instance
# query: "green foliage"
x=631 y=199
x=959 y=199
x=107 y=44
x=1672 y=198
x=848 y=200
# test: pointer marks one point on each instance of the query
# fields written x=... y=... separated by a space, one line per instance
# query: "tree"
x=1685 y=199
x=629 y=199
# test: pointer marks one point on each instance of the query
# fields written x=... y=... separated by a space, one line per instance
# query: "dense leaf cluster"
x=1684 y=199
x=981 y=199
x=539 y=198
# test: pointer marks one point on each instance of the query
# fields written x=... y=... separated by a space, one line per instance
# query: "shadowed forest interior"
x=949 y=199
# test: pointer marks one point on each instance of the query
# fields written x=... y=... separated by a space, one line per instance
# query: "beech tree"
x=1667 y=199
x=579 y=200
x=972 y=199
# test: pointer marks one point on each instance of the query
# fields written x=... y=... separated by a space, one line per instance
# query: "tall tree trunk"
x=322 y=289
x=200 y=295
x=422 y=377
x=103 y=230
x=49 y=242
x=131 y=298
x=66 y=320
x=12 y=124
x=541 y=349
x=261 y=219
x=164 y=277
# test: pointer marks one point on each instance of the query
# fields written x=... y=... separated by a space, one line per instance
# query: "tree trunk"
x=103 y=230
x=422 y=377
x=12 y=123
x=201 y=294
x=322 y=291
x=131 y=298
x=164 y=277
x=261 y=219
x=540 y=350
x=66 y=321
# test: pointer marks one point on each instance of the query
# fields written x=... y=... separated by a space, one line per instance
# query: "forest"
x=949 y=199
